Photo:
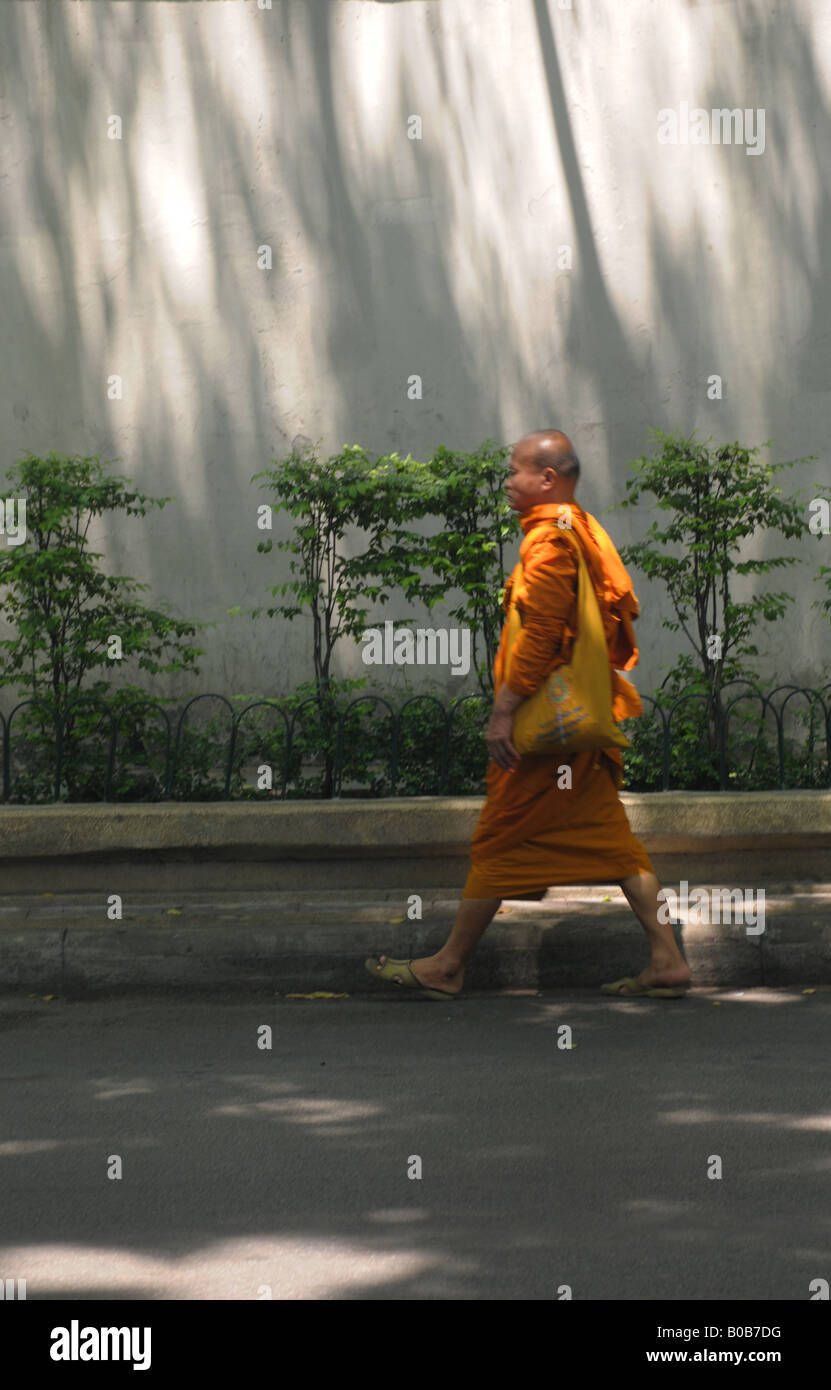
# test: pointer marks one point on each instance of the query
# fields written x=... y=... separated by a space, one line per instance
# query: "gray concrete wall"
x=440 y=256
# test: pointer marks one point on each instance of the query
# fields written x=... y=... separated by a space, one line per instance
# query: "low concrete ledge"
x=394 y=842
x=393 y=825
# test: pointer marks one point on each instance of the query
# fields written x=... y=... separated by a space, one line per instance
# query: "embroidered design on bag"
x=558 y=691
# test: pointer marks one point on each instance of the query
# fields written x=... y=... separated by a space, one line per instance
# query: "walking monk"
x=532 y=832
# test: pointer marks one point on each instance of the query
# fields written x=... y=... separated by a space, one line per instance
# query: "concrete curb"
x=345 y=870
x=283 y=943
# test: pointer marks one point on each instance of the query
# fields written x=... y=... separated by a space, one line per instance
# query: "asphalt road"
x=247 y=1169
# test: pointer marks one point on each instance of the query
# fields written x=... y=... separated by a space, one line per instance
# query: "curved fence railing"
x=423 y=747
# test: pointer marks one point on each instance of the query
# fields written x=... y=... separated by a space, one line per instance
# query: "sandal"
x=408 y=979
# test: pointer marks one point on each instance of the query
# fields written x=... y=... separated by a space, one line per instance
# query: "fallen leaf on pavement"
x=318 y=994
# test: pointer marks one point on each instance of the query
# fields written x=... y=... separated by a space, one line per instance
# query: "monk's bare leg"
x=666 y=965
x=446 y=969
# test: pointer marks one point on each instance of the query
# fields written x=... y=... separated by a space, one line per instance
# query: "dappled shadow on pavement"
x=250 y=1172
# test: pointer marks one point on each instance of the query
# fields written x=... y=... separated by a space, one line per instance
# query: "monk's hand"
x=498 y=739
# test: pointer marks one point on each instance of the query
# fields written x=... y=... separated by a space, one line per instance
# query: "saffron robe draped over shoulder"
x=532 y=833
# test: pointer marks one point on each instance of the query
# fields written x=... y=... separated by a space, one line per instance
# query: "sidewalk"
x=288 y=942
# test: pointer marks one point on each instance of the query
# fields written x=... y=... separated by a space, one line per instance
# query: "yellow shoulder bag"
x=572 y=710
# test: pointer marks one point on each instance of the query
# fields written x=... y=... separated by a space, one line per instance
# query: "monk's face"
x=527 y=486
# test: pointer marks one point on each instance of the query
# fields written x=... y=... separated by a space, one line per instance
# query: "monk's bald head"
x=543 y=469
x=543 y=449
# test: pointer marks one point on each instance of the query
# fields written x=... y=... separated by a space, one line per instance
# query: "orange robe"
x=533 y=834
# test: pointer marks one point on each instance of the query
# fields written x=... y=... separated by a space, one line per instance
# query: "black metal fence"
x=423 y=747
x=816 y=749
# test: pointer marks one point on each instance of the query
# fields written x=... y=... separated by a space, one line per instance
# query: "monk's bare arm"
x=507 y=701
x=498 y=732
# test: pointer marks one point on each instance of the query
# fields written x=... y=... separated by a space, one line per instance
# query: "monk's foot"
x=432 y=972
x=671 y=973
